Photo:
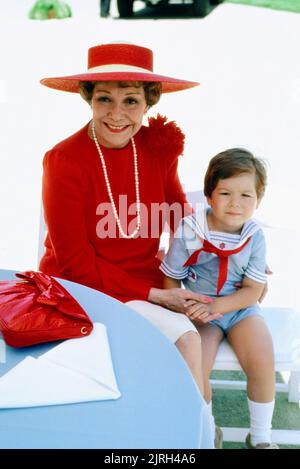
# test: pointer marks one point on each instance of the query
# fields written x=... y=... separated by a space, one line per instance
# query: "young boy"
x=212 y=251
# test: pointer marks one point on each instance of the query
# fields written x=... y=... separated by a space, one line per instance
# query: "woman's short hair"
x=233 y=162
x=152 y=89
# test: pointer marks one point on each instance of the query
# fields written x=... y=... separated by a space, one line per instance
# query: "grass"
x=287 y=5
x=228 y=445
x=231 y=410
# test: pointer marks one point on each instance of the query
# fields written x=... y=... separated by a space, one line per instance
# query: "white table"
x=160 y=405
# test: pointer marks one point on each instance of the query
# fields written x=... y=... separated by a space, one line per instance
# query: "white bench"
x=284 y=325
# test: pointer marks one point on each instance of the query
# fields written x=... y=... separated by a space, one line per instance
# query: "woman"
x=108 y=189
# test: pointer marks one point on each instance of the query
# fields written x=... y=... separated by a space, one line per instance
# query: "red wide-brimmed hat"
x=118 y=62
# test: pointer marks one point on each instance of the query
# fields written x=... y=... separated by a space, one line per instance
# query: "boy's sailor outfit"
x=212 y=262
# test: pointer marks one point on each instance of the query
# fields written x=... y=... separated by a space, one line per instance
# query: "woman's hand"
x=176 y=299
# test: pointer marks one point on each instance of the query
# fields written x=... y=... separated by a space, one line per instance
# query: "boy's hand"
x=201 y=313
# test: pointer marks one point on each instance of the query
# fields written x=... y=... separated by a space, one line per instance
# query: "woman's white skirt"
x=172 y=325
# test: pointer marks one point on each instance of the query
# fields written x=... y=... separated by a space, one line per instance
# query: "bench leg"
x=294 y=387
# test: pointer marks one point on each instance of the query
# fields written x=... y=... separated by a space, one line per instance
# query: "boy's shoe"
x=249 y=445
x=218 y=438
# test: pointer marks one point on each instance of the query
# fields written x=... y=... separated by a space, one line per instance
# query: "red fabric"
x=71 y=83
x=223 y=259
x=38 y=309
x=127 y=54
x=73 y=187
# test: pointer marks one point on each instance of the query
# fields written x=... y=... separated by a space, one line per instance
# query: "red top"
x=73 y=188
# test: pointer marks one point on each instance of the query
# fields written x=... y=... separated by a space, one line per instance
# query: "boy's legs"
x=252 y=343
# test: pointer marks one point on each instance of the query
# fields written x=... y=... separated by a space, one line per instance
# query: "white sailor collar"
x=197 y=222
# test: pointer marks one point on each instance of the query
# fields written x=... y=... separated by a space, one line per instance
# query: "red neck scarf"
x=223 y=259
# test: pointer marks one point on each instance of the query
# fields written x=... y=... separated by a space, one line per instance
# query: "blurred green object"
x=287 y=5
x=49 y=9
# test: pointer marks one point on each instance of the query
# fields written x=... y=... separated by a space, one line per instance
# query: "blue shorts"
x=231 y=319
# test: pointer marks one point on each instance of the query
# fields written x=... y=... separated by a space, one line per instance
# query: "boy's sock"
x=261 y=414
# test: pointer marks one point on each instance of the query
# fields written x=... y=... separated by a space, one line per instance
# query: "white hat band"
x=118 y=68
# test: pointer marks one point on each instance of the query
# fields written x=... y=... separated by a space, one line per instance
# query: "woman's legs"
x=211 y=337
x=252 y=343
x=179 y=330
x=189 y=345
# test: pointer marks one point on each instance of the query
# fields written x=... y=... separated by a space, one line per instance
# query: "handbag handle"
x=50 y=293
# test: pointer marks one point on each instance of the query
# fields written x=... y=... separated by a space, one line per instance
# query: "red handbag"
x=38 y=309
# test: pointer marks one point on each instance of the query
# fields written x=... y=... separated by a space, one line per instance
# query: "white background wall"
x=246 y=58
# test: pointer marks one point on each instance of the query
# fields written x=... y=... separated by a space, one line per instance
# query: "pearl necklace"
x=108 y=187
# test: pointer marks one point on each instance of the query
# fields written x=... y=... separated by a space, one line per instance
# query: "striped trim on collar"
x=198 y=223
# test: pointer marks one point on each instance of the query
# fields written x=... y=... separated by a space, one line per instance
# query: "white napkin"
x=77 y=370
